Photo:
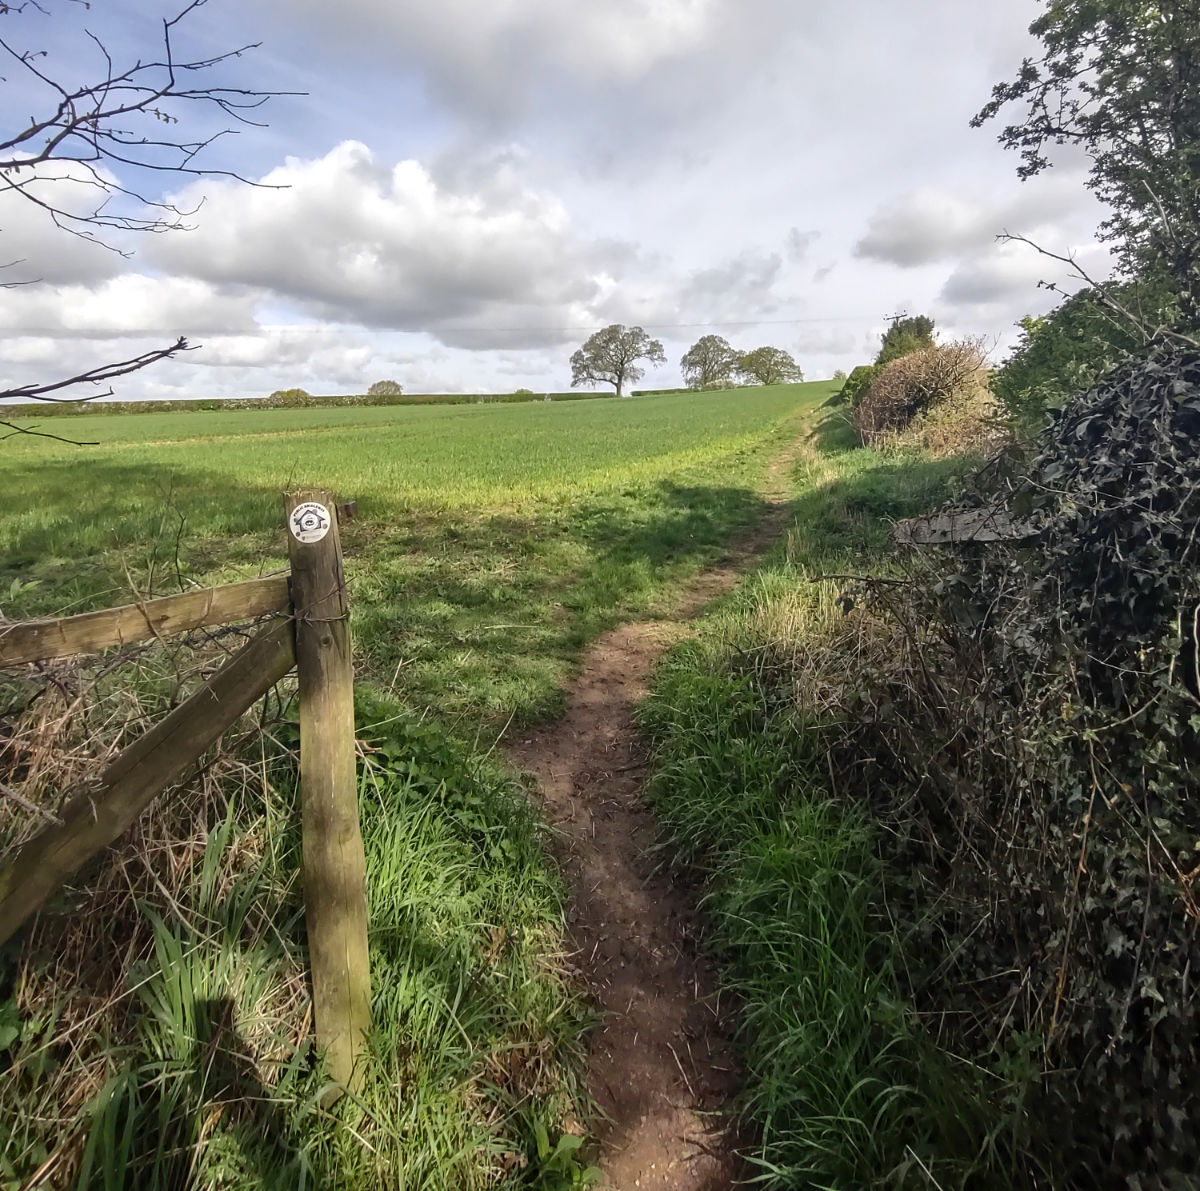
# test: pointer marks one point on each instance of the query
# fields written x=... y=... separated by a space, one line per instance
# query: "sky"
x=466 y=189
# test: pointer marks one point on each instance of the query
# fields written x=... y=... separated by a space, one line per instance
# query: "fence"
x=312 y=635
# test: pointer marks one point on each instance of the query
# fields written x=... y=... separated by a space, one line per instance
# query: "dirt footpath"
x=661 y=1067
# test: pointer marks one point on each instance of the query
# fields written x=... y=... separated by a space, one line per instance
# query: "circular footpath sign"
x=309 y=522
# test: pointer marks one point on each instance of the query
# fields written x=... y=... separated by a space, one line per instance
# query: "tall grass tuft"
x=843 y=1089
x=155 y=1028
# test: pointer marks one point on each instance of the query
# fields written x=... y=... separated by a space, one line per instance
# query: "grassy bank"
x=155 y=1031
x=841 y=1090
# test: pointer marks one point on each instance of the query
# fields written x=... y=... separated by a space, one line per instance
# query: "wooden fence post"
x=333 y=864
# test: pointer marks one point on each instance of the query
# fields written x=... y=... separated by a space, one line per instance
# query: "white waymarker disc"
x=309 y=522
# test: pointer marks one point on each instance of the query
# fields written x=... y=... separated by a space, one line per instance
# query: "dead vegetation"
x=936 y=397
x=1021 y=720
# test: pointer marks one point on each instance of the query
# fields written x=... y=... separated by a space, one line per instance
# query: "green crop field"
x=492 y=541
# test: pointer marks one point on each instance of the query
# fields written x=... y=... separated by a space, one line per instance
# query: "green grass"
x=841 y=1089
x=200 y=1063
x=154 y=1034
x=492 y=542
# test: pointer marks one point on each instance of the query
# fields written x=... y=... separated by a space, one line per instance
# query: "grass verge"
x=841 y=1088
x=154 y=1031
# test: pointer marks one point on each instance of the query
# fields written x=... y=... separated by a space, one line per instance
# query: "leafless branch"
x=1103 y=292
x=93 y=376
x=93 y=138
x=13 y=429
x=108 y=121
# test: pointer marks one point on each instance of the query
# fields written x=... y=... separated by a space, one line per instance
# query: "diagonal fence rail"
x=312 y=635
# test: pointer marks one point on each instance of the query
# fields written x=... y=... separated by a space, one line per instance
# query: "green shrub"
x=858 y=382
x=1030 y=741
x=289 y=397
x=905 y=335
x=385 y=388
x=1072 y=347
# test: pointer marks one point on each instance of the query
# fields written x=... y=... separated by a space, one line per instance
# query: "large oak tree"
x=709 y=363
x=768 y=366
x=610 y=357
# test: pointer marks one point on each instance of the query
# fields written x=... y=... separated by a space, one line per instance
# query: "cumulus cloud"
x=132 y=304
x=1003 y=282
x=489 y=56
x=994 y=278
x=34 y=247
x=923 y=226
x=931 y=224
x=743 y=284
x=347 y=238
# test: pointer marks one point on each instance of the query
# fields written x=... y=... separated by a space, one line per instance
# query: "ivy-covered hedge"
x=1030 y=738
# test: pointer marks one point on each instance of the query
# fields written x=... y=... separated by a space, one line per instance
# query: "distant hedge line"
x=75 y=409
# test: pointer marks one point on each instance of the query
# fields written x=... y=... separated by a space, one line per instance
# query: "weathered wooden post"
x=333 y=864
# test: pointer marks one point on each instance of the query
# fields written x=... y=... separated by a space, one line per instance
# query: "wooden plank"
x=41 y=640
x=334 y=867
x=97 y=818
x=964 y=525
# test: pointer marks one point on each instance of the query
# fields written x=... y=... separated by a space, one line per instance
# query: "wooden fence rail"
x=90 y=632
x=313 y=635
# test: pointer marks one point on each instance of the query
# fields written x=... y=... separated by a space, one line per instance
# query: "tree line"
x=612 y=356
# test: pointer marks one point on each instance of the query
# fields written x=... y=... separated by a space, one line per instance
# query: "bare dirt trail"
x=660 y=1064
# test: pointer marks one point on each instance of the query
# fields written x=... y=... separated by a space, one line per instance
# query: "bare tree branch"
x=14 y=429
x=109 y=119
x=93 y=376
x=94 y=139
x=1104 y=293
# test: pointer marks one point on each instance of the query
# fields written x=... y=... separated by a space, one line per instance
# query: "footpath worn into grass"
x=661 y=1068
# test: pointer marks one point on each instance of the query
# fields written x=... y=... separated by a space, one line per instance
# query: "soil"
x=661 y=1067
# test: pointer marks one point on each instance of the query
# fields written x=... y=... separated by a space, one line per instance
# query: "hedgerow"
x=918 y=384
x=1029 y=737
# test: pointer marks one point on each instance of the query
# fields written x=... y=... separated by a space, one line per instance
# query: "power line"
x=756 y=322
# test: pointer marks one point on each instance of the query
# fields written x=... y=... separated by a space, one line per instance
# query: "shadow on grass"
x=853 y=512
x=834 y=434
x=152 y=1135
x=483 y=617
x=478 y=615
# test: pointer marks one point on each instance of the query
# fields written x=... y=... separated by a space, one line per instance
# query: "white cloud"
x=132 y=304
x=932 y=223
x=352 y=240
x=1003 y=281
x=923 y=226
x=538 y=168
x=742 y=286
x=489 y=55
x=34 y=248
